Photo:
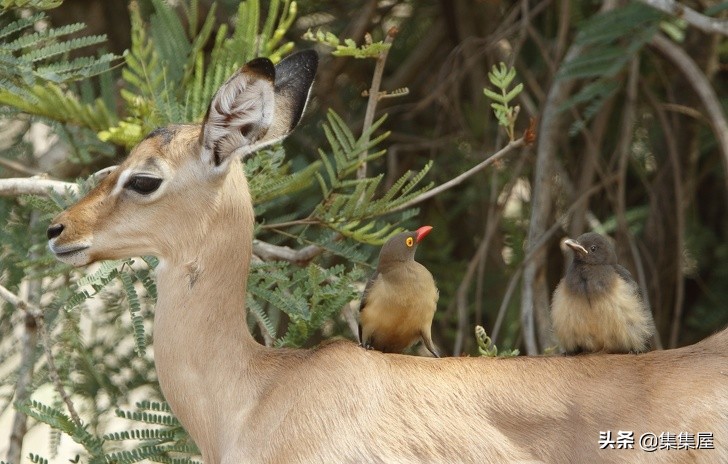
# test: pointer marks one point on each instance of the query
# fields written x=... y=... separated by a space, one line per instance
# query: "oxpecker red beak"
x=422 y=232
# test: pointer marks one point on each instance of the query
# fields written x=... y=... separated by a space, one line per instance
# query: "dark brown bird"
x=598 y=306
x=400 y=299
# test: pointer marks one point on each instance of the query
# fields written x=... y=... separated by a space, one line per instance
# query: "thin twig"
x=704 y=23
x=452 y=70
x=332 y=70
x=53 y=372
x=512 y=283
x=564 y=28
x=462 y=177
x=673 y=155
x=623 y=145
x=702 y=87
x=18 y=167
x=593 y=138
x=28 y=357
x=29 y=343
x=462 y=292
x=374 y=97
x=37 y=314
x=495 y=213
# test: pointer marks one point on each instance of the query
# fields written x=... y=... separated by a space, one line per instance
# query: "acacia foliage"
x=653 y=185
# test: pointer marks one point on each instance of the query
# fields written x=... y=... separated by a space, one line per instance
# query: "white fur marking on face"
x=123 y=178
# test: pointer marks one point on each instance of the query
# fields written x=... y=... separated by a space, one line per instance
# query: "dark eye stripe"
x=143 y=184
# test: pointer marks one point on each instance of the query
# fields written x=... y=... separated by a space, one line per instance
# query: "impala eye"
x=143 y=184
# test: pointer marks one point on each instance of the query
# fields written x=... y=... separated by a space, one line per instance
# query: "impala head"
x=167 y=189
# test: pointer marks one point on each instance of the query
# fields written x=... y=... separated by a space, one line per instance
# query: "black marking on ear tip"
x=294 y=77
x=261 y=66
x=308 y=58
x=298 y=69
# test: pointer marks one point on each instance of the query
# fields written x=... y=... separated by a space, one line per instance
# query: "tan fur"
x=396 y=316
x=594 y=324
x=244 y=403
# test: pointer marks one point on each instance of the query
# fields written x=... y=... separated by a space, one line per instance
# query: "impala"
x=181 y=195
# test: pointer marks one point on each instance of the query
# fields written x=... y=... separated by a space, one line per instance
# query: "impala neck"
x=202 y=346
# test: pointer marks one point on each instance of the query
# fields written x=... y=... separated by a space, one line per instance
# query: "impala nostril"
x=54 y=231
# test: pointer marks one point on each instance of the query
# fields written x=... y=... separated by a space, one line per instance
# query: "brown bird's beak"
x=422 y=232
x=576 y=246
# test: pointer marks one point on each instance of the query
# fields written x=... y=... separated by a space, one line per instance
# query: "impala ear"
x=294 y=76
x=258 y=106
x=240 y=112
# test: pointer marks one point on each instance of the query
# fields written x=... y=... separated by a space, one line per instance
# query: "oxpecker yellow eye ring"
x=410 y=241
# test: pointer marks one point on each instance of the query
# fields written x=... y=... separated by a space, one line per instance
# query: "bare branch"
x=674 y=156
x=534 y=292
x=18 y=167
x=495 y=213
x=34 y=186
x=34 y=312
x=623 y=151
x=270 y=252
x=19 y=303
x=702 y=87
x=28 y=356
x=41 y=185
x=699 y=21
x=497 y=156
x=374 y=96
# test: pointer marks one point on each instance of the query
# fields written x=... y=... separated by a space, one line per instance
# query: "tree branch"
x=374 y=97
x=497 y=156
x=674 y=157
x=34 y=186
x=29 y=341
x=270 y=252
x=37 y=315
x=702 y=87
x=18 y=167
x=699 y=21
x=534 y=293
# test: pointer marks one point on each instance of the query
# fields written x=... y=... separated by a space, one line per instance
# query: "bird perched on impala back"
x=598 y=306
x=400 y=298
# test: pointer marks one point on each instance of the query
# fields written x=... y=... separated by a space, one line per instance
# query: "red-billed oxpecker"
x=400 y=299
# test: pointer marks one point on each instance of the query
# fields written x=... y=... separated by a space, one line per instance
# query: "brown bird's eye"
x=593 y=248
x=410 y=241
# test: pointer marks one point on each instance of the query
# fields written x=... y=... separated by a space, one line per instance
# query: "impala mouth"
x=70 y=254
